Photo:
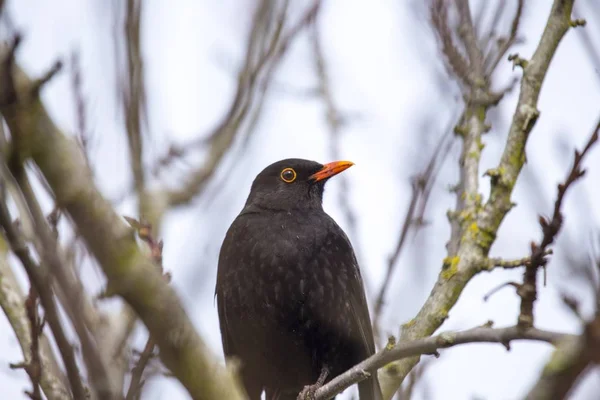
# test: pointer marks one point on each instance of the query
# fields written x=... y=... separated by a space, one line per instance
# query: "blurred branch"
x=104 y=385
x=335 y=120
x=421 y=185
x=455 y=60
x=417 y=190
x=83 y=134
x=588 y=44
x=266 y=47
x=12 y=301
x=550 y=228
x=133 y=94
x=415 y=377
x=133 y=98
x=477 y=223
x=431 y=345
x=466 y=31
x=490 y=34
x=572 y=356
x=33 y=367
x=493 y=58
x=39 y=279
x=136 y=383
x=105 y=378
x=130 y=274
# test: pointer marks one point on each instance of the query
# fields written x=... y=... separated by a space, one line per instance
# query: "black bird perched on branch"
x=291 y=302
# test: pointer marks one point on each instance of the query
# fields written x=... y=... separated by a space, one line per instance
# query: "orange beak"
x=331 y=169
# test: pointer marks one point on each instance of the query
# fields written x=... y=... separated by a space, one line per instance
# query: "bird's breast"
x=283 y=264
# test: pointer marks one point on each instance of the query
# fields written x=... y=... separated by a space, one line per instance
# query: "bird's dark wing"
x=360 y=321
x=233 y=337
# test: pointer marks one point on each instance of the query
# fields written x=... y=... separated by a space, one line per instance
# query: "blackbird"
x=290 y=296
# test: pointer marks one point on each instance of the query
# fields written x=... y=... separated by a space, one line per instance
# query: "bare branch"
x=510 y=264
x=570 y=359
x=431 y=345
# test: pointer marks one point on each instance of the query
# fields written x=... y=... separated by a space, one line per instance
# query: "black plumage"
x=289 y=290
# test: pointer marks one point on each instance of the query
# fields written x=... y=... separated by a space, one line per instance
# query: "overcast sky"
x=385 y=71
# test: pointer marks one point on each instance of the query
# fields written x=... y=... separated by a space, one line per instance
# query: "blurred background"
x=366 y=82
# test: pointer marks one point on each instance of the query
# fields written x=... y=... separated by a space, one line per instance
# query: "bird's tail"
x=369 y=389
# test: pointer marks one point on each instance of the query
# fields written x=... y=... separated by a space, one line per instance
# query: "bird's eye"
x=288 y=175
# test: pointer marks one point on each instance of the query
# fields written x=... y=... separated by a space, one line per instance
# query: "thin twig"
x=493 y=59
x=510 y=264
x=34 y=366
x=252 y=80
x=83 y=132
x=393 y=259
x=416 y=377
x=133 y=93
x=455 y=60
x=588 y=44
x=136 y=384
x=466 y=31
x=421 y=186
x=144 y=231
x=550 y=228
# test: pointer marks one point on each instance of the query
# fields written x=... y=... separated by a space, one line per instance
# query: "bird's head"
x=293 y=184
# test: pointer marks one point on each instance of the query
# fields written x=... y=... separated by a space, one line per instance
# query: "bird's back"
x=291 y=300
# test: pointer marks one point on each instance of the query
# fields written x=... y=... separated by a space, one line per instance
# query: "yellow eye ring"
x=288 y=175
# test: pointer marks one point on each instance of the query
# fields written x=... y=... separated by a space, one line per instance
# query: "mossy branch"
x=525 y=116
x=479 y=224
x=572 y=356
x=431 y=345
